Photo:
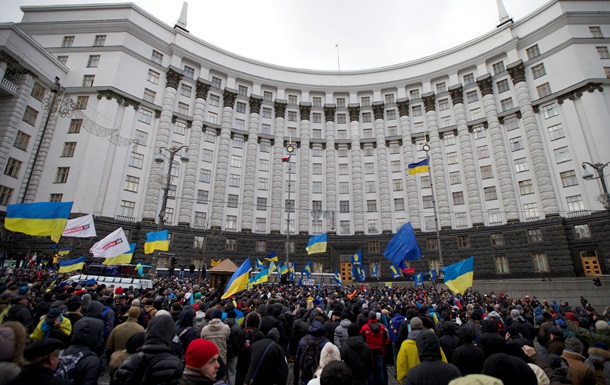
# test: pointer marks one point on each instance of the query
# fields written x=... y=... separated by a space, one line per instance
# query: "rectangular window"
x=203 y=196
x=494 y=217
x=534 y=235
x=22 y=140
x=141 y=138
x=81 y=102
x=452 y=158
x=429 y=223
x=216 y=82
x=199 y=219
x=344 y=227
x=68 y=151
x=344 y=206
x=233 y=201
x=463 y=241
x=541 y=263
x=236 y=161
x=372 y=226
x=56 y=197
x=61 y=176
x=156 y=57
x=369 y=168
x=365 y=101
x=445 y=121
x=503 y=86
x=208 y=156
x=427 y=201
x=490 y=193
x=205 y=176
x=468 y=79
x=511 y=123
x=261 y=227
x=67 y=42
x=12 y=167
x=486 y=172
x=562 y=154
x=292 y=116
x=475 y=114
x=234 y=180
x=416 y=111
x=521 y=165
x=472 y=96
x=127 y=209
x=389 y=99
x=479 y=132
x=390 y=115
x=543 y=90
x=501 y=263
x=366 y=117
x=603 y=52
x=132 y=183
x=516 y=144
x=214 y=100
x=316 y=187
x=397 y=185
x=153 y=76
x=94 y=61
x=526 y=187
x=213 y=117
x=267 y=113
x=454 y=177
x=498 y=67
x=268 y=96
x=425 y=181
x=582 y=231
x=231 y=243
x=231 y=224
x=186 y=90
x=30 y=115
x=183 y=108
x=396 y=166
x=399 y=204
x=88 y=80
x=461 y=220
x=458 y=198
x=289 y=205
x=596 y=32
x=63 y=59
x=568 y=178
x=431 y=244
x=550 y=110
x=240 y=107
x=441 y=87
x=556 y=132
x=243 y=90
x=575 y=203
x=292 y=100
x=532 y=52
x=317 y=169
x=149 y=95
x=538 y=70
x=263 y=184
x=414 y=94
x=38 y=91
x=482 y=152
x=136 y=160
x=531 y=210
x=99 y=41
x=497 y=239
x=263 y=165
x=507 y=104
x=180 y=128
x=370 y=186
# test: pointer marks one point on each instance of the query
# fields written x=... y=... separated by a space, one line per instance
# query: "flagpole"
x=426 y=147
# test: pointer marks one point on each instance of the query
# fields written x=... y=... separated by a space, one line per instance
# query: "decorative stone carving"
x=354 y=114
x=517 y=73
x=429 y=102
x=305 y=111
x=457 y=95
x=329 y=114
x=201 y=90
x=403 y=108
x=255 y=104
x=280 y=109
x=378 y=110
x=172 y=79
x=228 y=98
x=486 y=85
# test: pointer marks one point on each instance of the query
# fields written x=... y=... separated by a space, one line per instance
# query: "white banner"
x=113 y=245
x=309 y=282
x=81 y=227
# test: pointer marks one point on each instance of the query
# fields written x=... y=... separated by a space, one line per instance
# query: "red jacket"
x=375 y=335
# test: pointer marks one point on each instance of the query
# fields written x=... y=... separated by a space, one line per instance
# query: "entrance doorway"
x=590 y=263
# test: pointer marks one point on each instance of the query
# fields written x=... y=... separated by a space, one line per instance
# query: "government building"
x=137 y=121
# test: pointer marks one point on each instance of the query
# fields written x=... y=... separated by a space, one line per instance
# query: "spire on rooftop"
x=502 y=14
x=181 y=23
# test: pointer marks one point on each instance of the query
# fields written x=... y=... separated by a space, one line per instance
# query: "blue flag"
x=395 y=272
x=419 y=279
x=357 y=258
x=337 y=277
x=403 y=246
x=307 y=270
x=433 y=275
x=375 y=272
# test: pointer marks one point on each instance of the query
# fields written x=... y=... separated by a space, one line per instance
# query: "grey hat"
x=515 y=313
x=573 y=344
x=416 y=323
x=365 y=306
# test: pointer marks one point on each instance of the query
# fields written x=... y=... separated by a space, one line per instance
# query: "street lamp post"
x=426 y=147
x=599 y=170
x=290 y=148
x=160 y=158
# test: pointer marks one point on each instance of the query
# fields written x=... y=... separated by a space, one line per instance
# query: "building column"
x=412 y=203
x=251 y=163
x=189 y=193
x=471 y=180
x=304 y=169
x=382 y=169
x=217 y=205
x=157 y=170
x=534 y=141
x=331 y=164
x=504 y=175
x=438 y=163
x=277 y=204
x=357 y=180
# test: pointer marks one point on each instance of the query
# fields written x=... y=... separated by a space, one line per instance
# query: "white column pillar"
x=250 y=177
x=412 y=204
x=304 y=168
x=277 y=204
x=331 y=165
x=382 y=169
x=357 y=180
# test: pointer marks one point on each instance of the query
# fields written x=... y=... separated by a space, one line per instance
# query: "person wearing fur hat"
x=268 y=361
x=599 y=359
x=41 y=360
x=201 y=363
x=579 y=372
x=12 y=344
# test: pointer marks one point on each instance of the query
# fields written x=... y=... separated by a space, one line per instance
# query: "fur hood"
x=600 y=353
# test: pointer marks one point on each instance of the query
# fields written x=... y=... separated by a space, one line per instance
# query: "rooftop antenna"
x=181 y=23
x=338 y=64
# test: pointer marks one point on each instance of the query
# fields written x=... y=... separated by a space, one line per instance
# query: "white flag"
x=113 y=245
x=81 y=227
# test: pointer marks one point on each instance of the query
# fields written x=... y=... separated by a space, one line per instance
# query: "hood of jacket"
x=216 y=324
x=94 y=310
x=274 y=334
x=316 y=328
x=345 y=323
x=428 y=346
x=355 y=342
x=186 y=318
x=87 y=332
x=160 y=331
x=601 y=353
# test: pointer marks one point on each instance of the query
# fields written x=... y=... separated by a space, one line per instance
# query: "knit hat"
x=573 y=344
x=135 y=303
x=7 y=344
x=602 y=325
x=119 y=290
x=199 y=353
x=476 y=379
x=541 y=376
x=329 y=353
x=515 y=313
x=600 y=345
x=353 y=329
x=416 y=323
x=217 y=313
x=372 y=315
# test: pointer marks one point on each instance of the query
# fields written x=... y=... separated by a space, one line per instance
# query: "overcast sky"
x=304 y=33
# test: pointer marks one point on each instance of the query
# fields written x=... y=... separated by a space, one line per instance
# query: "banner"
x=81 y=227
x=112 y=245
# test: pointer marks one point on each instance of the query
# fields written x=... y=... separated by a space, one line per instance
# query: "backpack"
x=248 y=339
x=105 y=317
x=310 y=359
x=67 y=363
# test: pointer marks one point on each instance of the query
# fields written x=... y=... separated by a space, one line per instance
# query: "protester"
x=12 y=344
x=122 y=333
x=217 y=332
x=336 y=373
x=201 y=363
x=432 y=370
x=267 y=361
x=53 y=325
x=41 y=360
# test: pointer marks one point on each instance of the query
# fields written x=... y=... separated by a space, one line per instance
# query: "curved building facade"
x=509 y=118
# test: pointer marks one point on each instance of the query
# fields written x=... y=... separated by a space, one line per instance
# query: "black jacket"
x=38 y=375
x=157 y=363
x=356 y=353
x=492 y=343
x=21 y=313
x=85 y=338
x=243 y=357
x=431 y=370
x=93 y=316
x=273 y=367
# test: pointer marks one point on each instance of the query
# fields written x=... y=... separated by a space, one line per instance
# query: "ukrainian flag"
x=395 y=273
x=337 y=277
x=259 y=264
x=64 y=251
x=158 y=240
x=283 y=269
x=458 y=277
x=40 y=218
x=239 y=280
x=72 y=265
x=317 y=244
x=272 y=267
x=307 y=270
x=272 y=257
x=416 y=168
x=261 y=277
x=123 y=258
x=292 y=269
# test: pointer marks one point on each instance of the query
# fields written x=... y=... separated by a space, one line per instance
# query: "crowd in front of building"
x=182 y=332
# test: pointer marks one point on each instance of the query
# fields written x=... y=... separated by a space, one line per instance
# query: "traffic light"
x=597 y=282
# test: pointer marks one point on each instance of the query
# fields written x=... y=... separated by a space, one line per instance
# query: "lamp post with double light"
x=169 y=154
x=599 y=170
x=426 y=148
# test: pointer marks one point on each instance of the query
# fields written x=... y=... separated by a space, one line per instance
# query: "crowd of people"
x=182 y=332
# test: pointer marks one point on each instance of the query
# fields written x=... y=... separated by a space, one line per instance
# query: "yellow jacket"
x=65 y=326
x=408 y=357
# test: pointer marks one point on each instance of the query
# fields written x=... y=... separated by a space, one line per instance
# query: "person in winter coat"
x=363 y=316
x=376 y=337
x=299 y=330
x=579 y=372
x=328 y=354
x=133 y=345
x=315 y=334
x=268 y=364
x=157 y=363
x=599 y=360
x=601 y=333
x=217 y=332
x=509 y=369
x=356 y=353
x=201 y=363
x=474 y=324
x=332 y=324
x=432 y=370
x=341 y=331
x=86 y=337
x=246 y=337
x=20 y=312
x=449 y=340
x=12 y=345
x=490 y=341
x=515 y=341
x=557 y=342
x=467 y=357
x=232 y=351
x=184 y=328
x=93 y=314
x=41 y=359
x=53 y=325
x=122 y=333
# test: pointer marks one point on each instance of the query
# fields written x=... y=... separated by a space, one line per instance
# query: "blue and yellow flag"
x=307 y=270
x=259 y=264
x=282 y=268
x=361 y=271
x=458 y=277
x=261 y=277
x=72 y=265
x=317 y=244
x=375 y=272
x=158 y=240
x=40 y=218
x=292 y=269
x=272 y=257
x=416 y=168
x=64 y=251
x=433 y=275
x=140 y=268
x=337 y=277
x=123 y=258
x=419 y=279
x=357 y=258
x=272 y=267
x=239 y=280
x=395 y=272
